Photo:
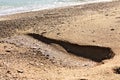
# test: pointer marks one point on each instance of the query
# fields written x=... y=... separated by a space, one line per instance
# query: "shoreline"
x=85 y=6
x=79 y=4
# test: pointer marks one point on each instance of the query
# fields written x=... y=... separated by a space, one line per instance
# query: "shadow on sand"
x=95 y=53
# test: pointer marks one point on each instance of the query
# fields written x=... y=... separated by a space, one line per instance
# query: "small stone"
x=83 y=79
x=37 y=64
x=117 y=70
x=58 y=33
x=106 y=14
x=112 y=29
x=20 y=71
x=5 y=46
x=93 y=41
x=41 y=64
x=1 y=64
x=43 y=33
x=85 y=65
x=8 y=72
x=8 y=51
x=53 y=61
x=45 y=69
x=31 y=62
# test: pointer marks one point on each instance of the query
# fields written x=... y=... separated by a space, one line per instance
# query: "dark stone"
x=117 y=70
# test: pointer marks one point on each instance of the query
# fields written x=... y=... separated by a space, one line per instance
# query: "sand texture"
x=71 y=43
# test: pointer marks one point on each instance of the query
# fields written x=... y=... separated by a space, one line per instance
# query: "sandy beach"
x=70 y=43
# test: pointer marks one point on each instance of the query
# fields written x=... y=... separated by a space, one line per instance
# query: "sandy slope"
x=72 y=43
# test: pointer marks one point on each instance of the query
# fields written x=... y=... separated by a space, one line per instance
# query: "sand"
x=70 y=43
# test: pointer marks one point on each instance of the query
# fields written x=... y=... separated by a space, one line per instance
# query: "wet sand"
x=71 y=43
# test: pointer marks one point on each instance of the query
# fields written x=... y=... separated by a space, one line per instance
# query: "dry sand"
x=71 y=43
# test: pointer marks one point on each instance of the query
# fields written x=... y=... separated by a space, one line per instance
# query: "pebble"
x=20 y=71
x=41 y=64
